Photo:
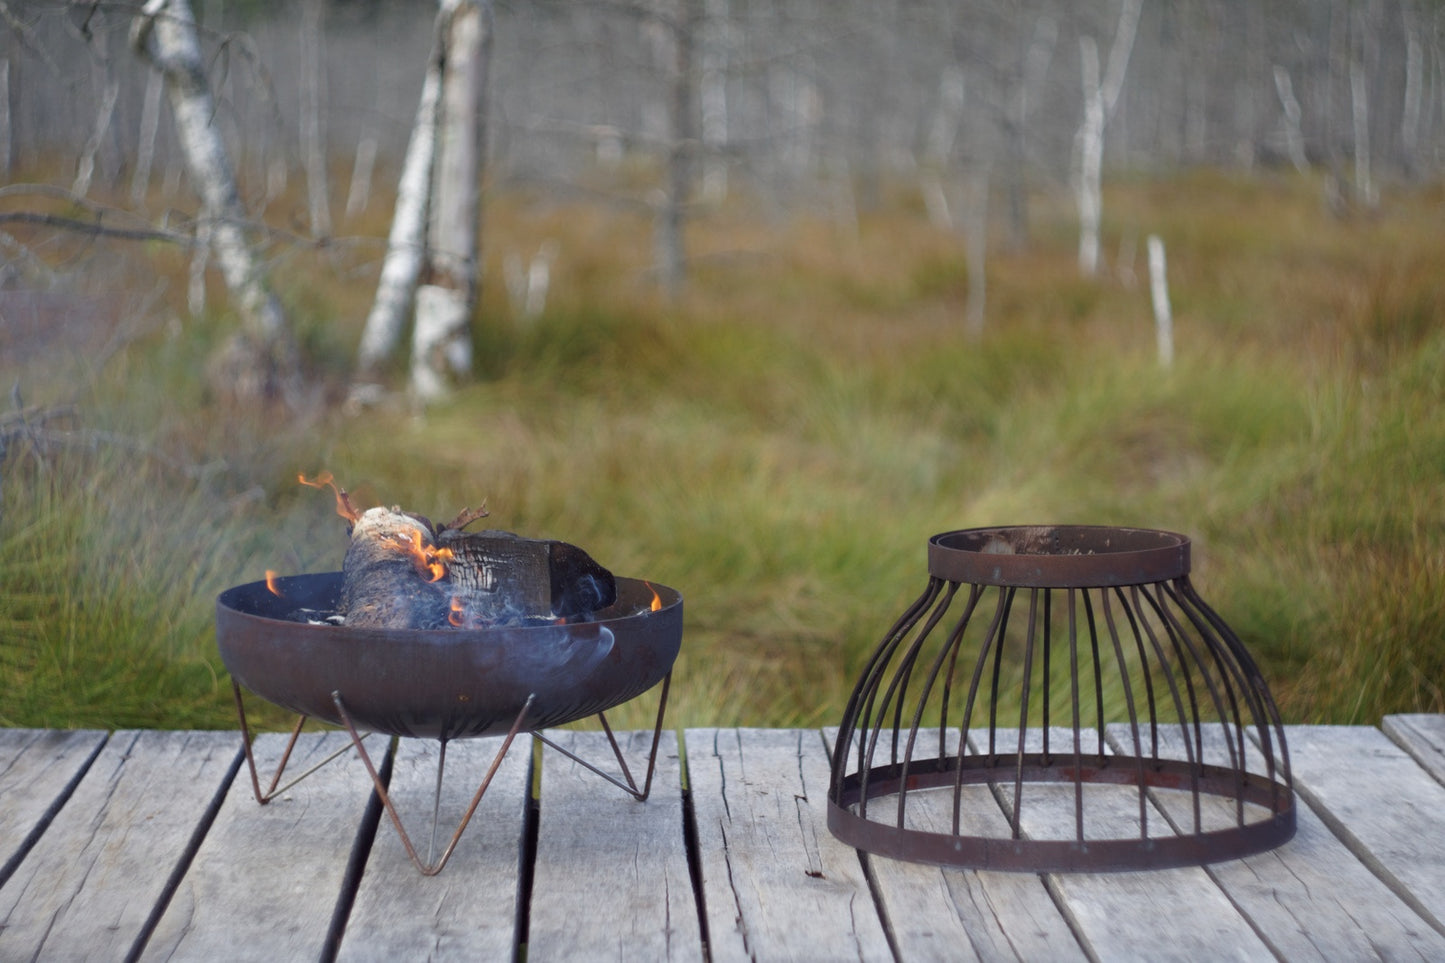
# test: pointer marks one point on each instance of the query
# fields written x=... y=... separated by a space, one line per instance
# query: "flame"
x=344 y=508
x=457 y=617
x=271 y=584
x=656 y=599
x=431 y=562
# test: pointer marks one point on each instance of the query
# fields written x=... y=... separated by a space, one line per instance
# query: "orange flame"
x=431 y=562
x=344 y=508
x=656 y=599
x=271 y=584
x=457 y=617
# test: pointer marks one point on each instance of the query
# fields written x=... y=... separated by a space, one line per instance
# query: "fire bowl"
x=443 y=683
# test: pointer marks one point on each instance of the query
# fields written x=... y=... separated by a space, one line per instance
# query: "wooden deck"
x=150 y=845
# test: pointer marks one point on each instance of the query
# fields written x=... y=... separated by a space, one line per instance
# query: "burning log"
x=402 y=572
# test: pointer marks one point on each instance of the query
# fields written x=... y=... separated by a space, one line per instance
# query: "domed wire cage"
x=1061 y=699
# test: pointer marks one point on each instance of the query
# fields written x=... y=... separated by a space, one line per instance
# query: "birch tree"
x=1100 y=96
x=442 y=340
x=406 y=244
x=164 y=34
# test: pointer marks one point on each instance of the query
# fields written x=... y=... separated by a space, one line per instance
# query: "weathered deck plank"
x=1423 y=737
x=611 y=878
x=265 y=882
x=87 y=889
x=36 y=768
x=1385 y=807
x=469 y=911
x=776 y=883
x=1310 y=899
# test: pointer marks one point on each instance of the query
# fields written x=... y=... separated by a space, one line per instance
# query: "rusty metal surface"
x=996 y=677
x=444 y=683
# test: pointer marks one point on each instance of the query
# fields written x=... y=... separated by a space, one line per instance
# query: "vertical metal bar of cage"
x=1190 y=754
x=1145 y=671
x=1262 y=699
x=948 y=653
x=1047 y=701
x=897 y=687
x=1017 y=818
x=1074 y=718
x=1132 y=711
x=1098 y=674
x=992 y=638
x=861 y=702
x=1005 y=605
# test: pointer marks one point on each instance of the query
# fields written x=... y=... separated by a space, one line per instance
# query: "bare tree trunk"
x=442 y=336
x=1360 y=118
x=313 y=115
x=1410 y=112
x=358 y=195
x=406 y=245
x=680 y=18
x=5 y=129
x=713 y=94
x=975 y=247
x=1100 y=96
x=150 y=122
x=165 y=35
x=1293 y=137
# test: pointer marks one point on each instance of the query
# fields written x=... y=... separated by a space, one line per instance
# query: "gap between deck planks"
x=108 y=849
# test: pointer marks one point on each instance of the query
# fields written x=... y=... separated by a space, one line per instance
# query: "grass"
x=779 y=445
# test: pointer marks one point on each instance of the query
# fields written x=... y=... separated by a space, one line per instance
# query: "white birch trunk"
x=1410 y=111
x=5 y=135
x=1088 y=182
x=150 y=123
x=1159 y=292
x=85 y=169
x=1360 y=116
x=442 y=341
x=406 y=245
x=1100 y=97
x=358 y=195
x=1293 y=137
x=165 y=34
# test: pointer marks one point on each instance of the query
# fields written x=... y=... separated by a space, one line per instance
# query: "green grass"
x=780 y=444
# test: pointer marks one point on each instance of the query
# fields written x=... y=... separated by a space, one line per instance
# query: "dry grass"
x=781 y=442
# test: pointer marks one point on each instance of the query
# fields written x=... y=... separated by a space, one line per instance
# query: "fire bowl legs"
x=428 y=867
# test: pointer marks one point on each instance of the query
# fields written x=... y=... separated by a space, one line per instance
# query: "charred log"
x=401 y=572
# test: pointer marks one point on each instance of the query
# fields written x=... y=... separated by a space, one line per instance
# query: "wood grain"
x=611 y=878
x=265 y=882
x=88 y=887
x=777 y=884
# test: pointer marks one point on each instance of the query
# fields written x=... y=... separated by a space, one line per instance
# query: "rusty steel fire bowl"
x=1061 y=699
x=444 y=683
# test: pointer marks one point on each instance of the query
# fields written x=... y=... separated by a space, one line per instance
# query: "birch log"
x=441 y=343
x=165 y=35
x=406 y=245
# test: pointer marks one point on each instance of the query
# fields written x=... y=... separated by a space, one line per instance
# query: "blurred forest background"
x=766 y=293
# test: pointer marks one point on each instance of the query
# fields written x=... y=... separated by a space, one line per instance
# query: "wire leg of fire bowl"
x=274 y=789
x=626 y=783
x=427 y=868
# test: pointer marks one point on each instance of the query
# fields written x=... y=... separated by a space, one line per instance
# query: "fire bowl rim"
x=1078 y=556
x=445 y=683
